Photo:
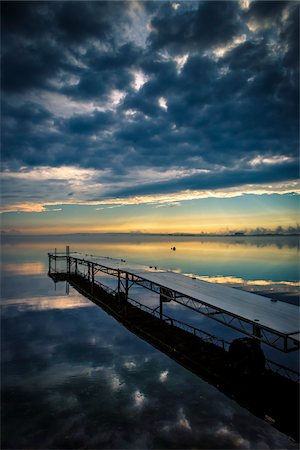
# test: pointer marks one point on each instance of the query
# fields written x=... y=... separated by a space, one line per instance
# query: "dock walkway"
x=273 y=322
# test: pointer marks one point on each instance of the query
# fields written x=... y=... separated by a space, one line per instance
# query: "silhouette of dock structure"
x=272 y=322
x=269 y=390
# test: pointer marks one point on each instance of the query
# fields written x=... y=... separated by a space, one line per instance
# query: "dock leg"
x=160 y=308
x=162 y=299
x=49 y=266
x=68 y=259
x=119 y=286
x=126 y=294
x=93 y=279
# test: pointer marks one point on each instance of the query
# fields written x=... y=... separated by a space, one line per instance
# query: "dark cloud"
x=24 y=68
x=265 y=12
x=84 y=124
x=81 y=88
x=78 y=21
x=28 y=113
x=218 y=180
x=69 y=22
x=27 y=18
x=291 y=36
x=212 y=23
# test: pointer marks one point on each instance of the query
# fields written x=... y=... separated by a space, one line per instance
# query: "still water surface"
x=73 y=377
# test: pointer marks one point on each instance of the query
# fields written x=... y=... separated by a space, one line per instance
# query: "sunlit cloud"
x=131 y=113
x=140 y=78
x=276 y=159
x=61 y=105
x=163 y=103
x=86 y=189
x=48 y=173
x=116 y=97
x=181 y=61
x=138 y=29
x=221 y=51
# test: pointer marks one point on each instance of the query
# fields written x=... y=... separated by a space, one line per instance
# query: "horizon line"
x=179 y=234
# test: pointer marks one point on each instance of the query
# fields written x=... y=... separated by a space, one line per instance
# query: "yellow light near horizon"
x=152 y=219
x=216 y=227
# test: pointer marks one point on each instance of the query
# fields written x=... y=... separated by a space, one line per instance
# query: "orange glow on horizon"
x=192 y=225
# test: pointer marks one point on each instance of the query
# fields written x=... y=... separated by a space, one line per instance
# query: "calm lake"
x=73 y=377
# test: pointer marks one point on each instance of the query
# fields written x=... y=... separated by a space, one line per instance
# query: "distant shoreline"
x=236 y=235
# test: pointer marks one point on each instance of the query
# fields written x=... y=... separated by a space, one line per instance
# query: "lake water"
x=73 y=377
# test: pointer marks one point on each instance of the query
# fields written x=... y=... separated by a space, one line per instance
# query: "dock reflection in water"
x=74 y=377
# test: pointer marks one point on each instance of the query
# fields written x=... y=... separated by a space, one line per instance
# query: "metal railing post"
x=93 y=278
x=119 y=285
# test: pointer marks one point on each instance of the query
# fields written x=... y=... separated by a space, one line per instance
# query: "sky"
x=152 y=117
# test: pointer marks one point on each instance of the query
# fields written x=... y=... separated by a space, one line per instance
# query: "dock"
x=269 y=390
x=272 y=322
